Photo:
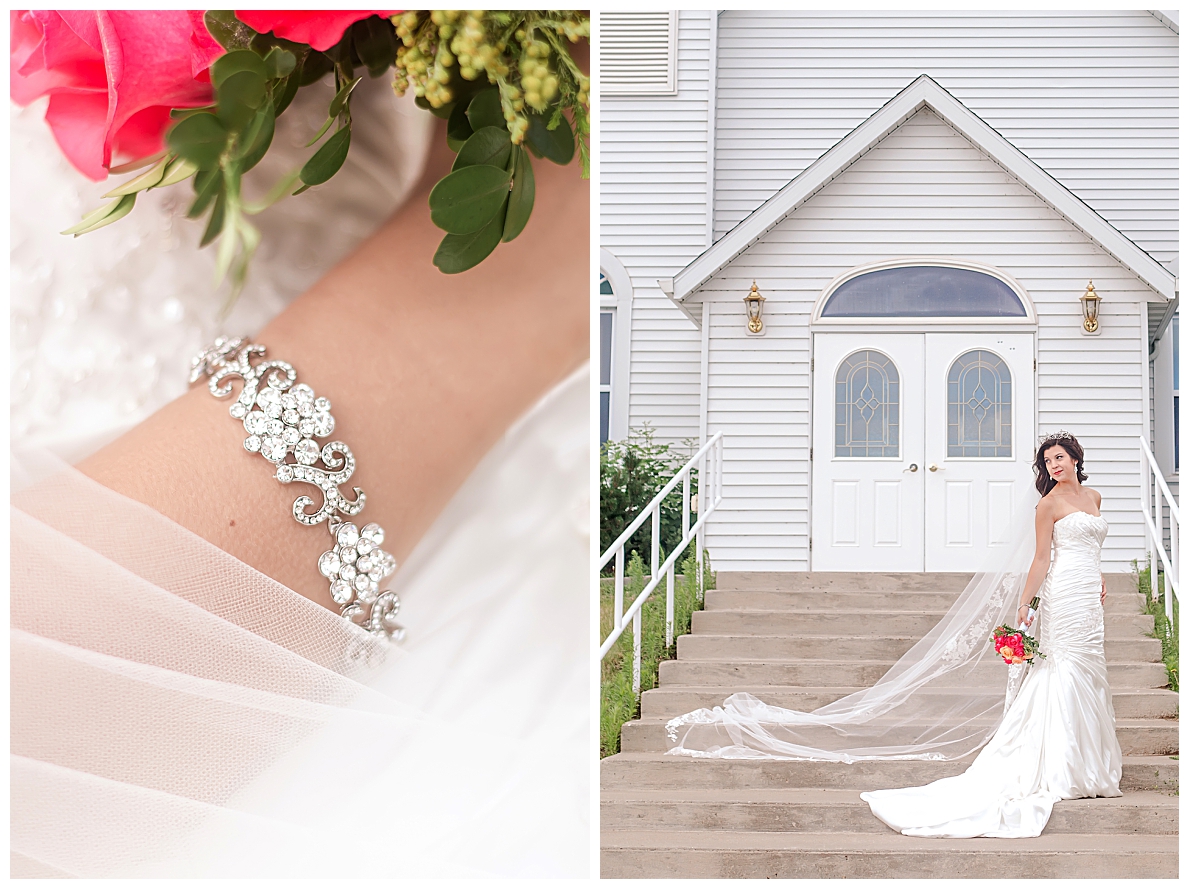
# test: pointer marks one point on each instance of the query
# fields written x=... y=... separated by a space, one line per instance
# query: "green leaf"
x=138 y=164
x=258 y=136
x=234 y=62
x=147 y=179
x=277 y=192
x=207 y=186
x=215 y=224
x=341 y=97
x=485 y=110
x=283 y=92
x=457 y=253
x=524 y=191
x=316 y=66
x=336 y=107
x=490 y=145
x=458 y=128
x=238 y=98
x=200 y=139
x=556 y=145
x=328 y=159
x=117 y=209
x=279 y=63
x=183 y=113
x=179 y=169
x=228 y=31
x=466 y=200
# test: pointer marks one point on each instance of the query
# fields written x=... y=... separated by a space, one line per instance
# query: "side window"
x=867 y=406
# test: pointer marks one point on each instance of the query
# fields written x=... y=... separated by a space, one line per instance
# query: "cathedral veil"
x=942 y=700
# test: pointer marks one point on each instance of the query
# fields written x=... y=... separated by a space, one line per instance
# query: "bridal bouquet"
x=194 y=97
x=1014 y=646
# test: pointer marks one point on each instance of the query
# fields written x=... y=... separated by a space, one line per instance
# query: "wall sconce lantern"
x=1090 y=301
x=755 y=309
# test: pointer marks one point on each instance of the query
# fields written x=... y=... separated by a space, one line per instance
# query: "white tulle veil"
x=942 y=700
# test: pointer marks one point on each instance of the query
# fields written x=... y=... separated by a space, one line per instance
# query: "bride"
x=1052 y=737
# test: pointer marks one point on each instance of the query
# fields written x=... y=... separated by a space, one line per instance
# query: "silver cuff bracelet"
x=281 y=418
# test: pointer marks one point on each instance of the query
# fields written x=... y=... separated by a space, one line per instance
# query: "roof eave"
x=922 y=92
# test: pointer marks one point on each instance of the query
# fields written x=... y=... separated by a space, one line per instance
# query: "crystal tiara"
x=1059 y=435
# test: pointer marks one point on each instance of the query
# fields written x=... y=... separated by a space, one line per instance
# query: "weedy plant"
x=1167 y=631
x=618 y=703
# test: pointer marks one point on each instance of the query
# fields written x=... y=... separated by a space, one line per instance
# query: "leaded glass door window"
x=979 y=406
x=867 y=406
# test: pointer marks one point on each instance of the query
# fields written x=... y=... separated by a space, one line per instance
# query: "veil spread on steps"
x=942 y=700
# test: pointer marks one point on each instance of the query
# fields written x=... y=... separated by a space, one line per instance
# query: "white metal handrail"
x=1151 y=493
x=709 y=463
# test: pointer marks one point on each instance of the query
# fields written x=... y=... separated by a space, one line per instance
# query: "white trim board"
x=922 y=92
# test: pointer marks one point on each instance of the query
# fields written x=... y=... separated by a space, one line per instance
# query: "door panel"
x=868 y=512
x=979 y=420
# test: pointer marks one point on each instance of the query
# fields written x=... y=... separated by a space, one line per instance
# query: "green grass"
x=618 y=703
x=1167 y=632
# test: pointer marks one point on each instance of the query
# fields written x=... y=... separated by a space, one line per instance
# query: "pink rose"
x=112 y=77
x=321 y=29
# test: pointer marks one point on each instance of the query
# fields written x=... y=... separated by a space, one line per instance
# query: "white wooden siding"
x=653 y=216
x=925 y=190
x=1089 y=96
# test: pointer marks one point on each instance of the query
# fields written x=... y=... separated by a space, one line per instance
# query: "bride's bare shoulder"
x=1097 y=497
x=1046 y=509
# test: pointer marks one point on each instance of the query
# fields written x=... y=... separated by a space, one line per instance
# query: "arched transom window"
x=978 y=406
x=867 y=406
x=920 y=291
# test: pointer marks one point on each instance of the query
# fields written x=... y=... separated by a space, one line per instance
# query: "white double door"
x=922 y=444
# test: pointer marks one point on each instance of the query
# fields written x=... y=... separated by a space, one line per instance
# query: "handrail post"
x=636 y=651
x=619 y=588
x=656 y=538
x=685 y=506
x=669 y=608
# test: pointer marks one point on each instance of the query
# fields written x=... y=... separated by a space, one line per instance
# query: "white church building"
x=961 y=229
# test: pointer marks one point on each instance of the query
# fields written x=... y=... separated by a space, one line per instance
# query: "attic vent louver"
x=638 y=53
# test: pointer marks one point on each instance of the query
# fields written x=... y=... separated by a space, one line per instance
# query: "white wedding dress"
x=1057 y=740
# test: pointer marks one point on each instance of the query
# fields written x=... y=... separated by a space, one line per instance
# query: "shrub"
x=631 y=473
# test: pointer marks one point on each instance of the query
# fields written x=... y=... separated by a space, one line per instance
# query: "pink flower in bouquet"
x=321 y=29
x=112 y=77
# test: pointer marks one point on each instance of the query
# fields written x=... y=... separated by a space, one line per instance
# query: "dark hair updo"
x=1044 y=483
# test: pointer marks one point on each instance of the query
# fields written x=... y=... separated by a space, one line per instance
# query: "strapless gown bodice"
x=1057 y=740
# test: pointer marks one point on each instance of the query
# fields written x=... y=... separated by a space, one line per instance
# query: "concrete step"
x=850 y=600
x=876 y=581
x=659 y=771
x=834 y=623
x=1137 y=737
x=673 y=700
x=841 y=811
x=706 y=646
x=728 y=854
x=812 y=673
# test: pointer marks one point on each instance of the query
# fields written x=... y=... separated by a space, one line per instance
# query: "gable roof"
x=922 y=92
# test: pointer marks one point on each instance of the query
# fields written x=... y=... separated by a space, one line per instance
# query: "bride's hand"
x=1022 y=616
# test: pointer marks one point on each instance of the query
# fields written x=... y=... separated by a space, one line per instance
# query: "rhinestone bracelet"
x=282 y=419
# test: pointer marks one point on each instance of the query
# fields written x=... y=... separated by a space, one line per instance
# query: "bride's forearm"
x=1036 y=576
x=424 y=372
